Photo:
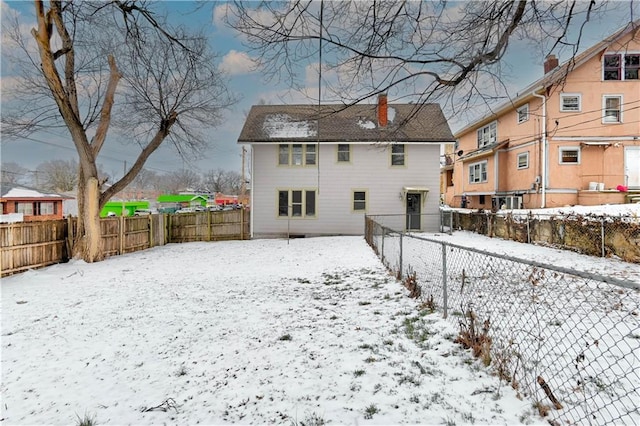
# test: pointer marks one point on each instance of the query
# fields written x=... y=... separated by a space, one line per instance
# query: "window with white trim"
x=397 y=155
x=618 y=66
x=523 y=160
x=523 y=113
x=569 y=155
x=488 y=134
x=612 y=109
x=359 y=201
x=296 y=203
x=344 y=152
x=570 y=102
x=296 y=155
x=24 y=208
x=478 y=172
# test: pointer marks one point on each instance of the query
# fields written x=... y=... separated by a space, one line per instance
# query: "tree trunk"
x=88 y=243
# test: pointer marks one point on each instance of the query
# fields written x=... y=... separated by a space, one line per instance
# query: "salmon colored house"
x=33 y=204
x=572 y=137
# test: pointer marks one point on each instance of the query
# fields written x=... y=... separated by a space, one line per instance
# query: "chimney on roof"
x=382 y=110
x=550 y=63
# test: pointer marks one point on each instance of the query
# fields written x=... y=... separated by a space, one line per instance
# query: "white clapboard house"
x=318 y=170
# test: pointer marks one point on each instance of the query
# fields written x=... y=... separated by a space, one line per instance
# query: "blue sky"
x=522 y=67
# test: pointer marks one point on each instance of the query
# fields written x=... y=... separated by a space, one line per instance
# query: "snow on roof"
x=284 y=126
x=366 y=124
x=391 y=114
x=28 y=193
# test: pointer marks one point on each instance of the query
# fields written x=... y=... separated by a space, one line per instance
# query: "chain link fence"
x=567 y=340
x=593 y=234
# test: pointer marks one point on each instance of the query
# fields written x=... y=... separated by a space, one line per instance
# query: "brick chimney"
x=382 y=110
x=550 y=63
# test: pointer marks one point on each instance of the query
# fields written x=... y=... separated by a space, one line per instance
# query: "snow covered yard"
x=237 y=332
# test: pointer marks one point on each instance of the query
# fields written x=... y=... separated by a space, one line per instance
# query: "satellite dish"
x=460 y=153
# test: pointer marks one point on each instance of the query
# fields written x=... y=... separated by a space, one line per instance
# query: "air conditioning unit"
x=513 y=202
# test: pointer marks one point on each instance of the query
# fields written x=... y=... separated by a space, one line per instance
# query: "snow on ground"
x=259 y=331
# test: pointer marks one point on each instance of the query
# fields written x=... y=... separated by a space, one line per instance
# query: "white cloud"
x=236 y=63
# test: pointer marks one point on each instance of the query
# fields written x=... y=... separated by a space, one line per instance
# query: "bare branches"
x=427 y=51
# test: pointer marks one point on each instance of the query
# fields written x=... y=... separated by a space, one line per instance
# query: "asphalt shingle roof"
x=337 y=123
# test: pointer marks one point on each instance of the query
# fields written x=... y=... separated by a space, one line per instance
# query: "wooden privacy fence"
x=27 y=245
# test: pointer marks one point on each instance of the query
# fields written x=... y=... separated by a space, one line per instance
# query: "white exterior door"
x=632 y=166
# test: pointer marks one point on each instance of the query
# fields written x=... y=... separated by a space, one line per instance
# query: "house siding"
x=369 y=170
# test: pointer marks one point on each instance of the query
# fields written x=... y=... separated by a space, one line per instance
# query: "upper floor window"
x=344 y=152
x=488 y=134
x=478 y=172
x=523 y=160
x=397 y=155
x=612 y=109
x=570 y=102
x=296 y=155
x=569 y=155
x=523 y=113
x=620 y=66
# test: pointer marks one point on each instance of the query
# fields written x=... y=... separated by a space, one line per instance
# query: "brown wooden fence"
x=27 y=245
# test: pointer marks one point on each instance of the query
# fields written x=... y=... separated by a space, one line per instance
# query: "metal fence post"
x=400 y=261
x=602 y=237
x=382 y=245
x=444 y=282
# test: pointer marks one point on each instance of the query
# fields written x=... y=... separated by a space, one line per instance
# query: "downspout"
x=543 y=175
x=251 y=215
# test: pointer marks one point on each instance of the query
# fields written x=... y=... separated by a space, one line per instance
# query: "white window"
x=296 y=203
x=619 y=66
x=612 y=109
x=359 y=201
x=24 y=208
x=46 y=207
x=569 y=155
x=488 y=134
x=296 y=155
x=310 y=155
x=570 y=102
x=523 y=113
x=344 y=152
x=523 y=160
x=397 y=155
x=283 y=155
x=478 y=172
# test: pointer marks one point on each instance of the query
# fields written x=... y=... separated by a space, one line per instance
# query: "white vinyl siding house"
x=350 y=175
x=368 y=172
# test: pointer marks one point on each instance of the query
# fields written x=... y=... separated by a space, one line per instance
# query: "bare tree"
x=14 y=173
x=225 y=181
x=424 y=51
x=113 y=65
x=182 y=180
x=58 y=175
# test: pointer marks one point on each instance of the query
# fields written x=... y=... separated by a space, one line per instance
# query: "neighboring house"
x=32 y=204
x=572 y=137
x=317 y=170
x=167 y=203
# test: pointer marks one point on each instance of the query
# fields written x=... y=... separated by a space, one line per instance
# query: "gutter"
x=543 y=174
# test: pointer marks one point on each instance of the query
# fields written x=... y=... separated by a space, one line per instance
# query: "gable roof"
x=337 y=123
x=552 y=77
x=12 y=191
